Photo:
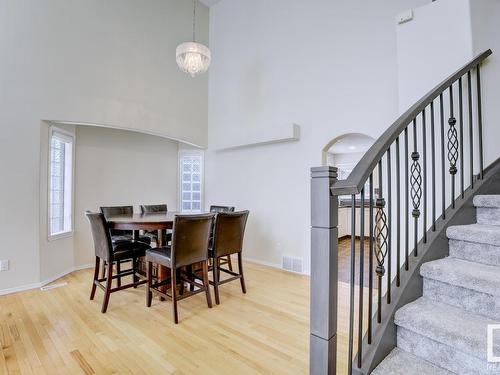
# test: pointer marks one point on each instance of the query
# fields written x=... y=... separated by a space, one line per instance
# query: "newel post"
x=324 y=268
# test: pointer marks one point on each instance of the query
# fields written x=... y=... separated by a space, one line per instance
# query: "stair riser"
x=475 y=252
x=443 y=355
x=467 y=299
x=487 y=215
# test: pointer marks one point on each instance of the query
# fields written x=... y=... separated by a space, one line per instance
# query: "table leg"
x=163 y=271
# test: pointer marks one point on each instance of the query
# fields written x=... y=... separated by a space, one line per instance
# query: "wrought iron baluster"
x=407 y=205
x=452 y=148
x=370 y=261
x=389 y=226
x=443 y=173
x=471 y=130
x=361 y=275
x=433 y=167
x=424 y=172
x=398 y=215
x=353 y=272
x=480 y=122
x=461 y=135
x=380 y=234
x=416 y=185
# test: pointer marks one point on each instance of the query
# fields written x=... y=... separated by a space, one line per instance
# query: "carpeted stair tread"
x=489 y=201
x=399 y=362
x=451 y=326
x=470 y=275
x=476 y=233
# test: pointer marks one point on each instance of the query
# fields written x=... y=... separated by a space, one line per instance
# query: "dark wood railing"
x=409 y=163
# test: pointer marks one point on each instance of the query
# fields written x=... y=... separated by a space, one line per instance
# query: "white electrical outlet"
x=4 y=265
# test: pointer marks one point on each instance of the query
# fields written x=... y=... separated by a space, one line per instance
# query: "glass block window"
x=60 y=183
x=191 y=178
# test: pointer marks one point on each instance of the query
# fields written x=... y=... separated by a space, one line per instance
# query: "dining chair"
x=217 y=209
x=191 y=234
x=156 y=209
x=111 y=254
x=122 y=235
x=228 y=239
x=118 y=235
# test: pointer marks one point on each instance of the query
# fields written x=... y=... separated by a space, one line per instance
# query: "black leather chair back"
x=218 y=209
x=228 y=233
x=100 y=235
x=154 y=208
x=191 y=234
x=117 y=211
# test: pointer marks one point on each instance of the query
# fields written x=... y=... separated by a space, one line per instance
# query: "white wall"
x=485 y=15
x=115 y=167
x=106 y=62
x=328 y=66
x=436 y=43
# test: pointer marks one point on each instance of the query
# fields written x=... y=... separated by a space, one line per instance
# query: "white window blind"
x=60 y=183
x=191 y=179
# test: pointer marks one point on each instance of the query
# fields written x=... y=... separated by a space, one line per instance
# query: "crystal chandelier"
x=192 y=57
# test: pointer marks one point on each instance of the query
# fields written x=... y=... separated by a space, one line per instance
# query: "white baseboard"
x=51 y=279
x=273 y=265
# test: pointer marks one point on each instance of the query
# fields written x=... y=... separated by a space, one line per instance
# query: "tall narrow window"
x=191 y=179
x=60 y=183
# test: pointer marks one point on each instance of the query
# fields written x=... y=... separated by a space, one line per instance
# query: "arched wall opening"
x=344 y=152
x=111 y=166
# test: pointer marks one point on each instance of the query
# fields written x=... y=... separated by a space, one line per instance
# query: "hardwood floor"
x=266 y=331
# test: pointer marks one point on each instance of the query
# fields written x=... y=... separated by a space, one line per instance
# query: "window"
x=60 y=183
x=191 y=180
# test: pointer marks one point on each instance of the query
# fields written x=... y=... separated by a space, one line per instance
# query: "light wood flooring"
x=266 y=331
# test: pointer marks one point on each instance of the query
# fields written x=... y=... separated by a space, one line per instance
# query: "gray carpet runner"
x=445 y=331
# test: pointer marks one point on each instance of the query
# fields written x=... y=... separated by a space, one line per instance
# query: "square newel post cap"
x=325 y=171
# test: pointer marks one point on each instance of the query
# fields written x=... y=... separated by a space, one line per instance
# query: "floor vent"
x=52 y=286
x=293 y=264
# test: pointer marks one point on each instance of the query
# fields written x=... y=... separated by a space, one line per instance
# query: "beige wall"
x=115 y=167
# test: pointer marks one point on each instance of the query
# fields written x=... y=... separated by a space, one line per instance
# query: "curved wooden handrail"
x=361 y=172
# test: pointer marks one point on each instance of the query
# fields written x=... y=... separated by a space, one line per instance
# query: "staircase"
x=445 y=331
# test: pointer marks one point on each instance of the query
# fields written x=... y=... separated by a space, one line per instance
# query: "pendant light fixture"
x=192 y=57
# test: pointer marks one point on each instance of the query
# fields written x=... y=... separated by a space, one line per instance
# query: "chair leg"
x=149 y=294
x=135 y=268
x=191 y=273
x=215 y=270
x=173 y=283
x=240 y=269
x=206 y=284
x=107 y=292
x=96 y=276
x=118 y=270
x=229 y=263
x=103 y=273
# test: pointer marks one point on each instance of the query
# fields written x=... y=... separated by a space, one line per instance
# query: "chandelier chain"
x=194 y=19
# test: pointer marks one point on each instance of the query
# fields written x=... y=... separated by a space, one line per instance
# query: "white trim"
x=69 y=137
x=23 y=288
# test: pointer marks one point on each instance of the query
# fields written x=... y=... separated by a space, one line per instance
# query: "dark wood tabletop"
x=146 y=221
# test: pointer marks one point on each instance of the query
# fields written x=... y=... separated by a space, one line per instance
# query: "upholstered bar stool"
x=228 y=239
x=156 y=209
x=191 y=234
x=217 y=209
x=111 y=253
x=117 y=235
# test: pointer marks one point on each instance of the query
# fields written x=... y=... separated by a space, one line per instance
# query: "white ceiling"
x=209 y=3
